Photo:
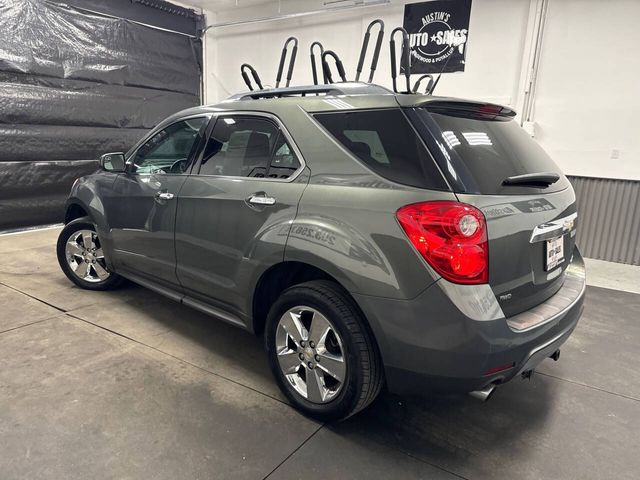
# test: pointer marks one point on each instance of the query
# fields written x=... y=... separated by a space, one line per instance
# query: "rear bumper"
x=430 y=344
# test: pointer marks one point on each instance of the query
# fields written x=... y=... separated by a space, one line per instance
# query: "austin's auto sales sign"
x=438 y=33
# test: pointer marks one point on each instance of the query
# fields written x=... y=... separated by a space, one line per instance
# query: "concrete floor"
x=127 y=384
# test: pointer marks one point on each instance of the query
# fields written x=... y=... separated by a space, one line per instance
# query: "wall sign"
x=438 y=32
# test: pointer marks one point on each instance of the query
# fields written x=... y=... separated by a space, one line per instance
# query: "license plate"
x=555 y=253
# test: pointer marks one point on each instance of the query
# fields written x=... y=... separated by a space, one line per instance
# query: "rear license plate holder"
x=554 y=253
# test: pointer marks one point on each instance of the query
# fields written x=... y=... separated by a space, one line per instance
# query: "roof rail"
x=350 y=88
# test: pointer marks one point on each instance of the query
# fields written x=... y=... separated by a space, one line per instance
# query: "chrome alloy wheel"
x=310 y=354
x=85 y=257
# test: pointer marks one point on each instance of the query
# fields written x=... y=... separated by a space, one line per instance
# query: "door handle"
x=261 y=199
x=164 y=195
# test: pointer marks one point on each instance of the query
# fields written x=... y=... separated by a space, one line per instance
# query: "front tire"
x=81 y=257
x=321 y=351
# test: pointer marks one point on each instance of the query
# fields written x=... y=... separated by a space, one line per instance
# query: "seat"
x=256 y=155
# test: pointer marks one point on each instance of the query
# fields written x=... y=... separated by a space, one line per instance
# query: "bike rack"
x=247 y=80
x=405 y=60
x=326 y=70
x=314 y=69
x=292 y=60
x=430 y=85
x=376 y=51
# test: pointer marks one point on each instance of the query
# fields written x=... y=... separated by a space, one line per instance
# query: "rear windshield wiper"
x=543 y=179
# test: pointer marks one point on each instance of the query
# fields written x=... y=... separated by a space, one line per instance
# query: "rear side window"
x=248 y=147
x=481 y=153
x=386 y=143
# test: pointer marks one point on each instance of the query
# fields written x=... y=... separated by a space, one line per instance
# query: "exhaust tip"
x=484 y=394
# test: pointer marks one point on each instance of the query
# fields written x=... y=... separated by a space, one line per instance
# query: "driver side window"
x=169 y=150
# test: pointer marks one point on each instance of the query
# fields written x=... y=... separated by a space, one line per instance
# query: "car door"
x=234 y=214
x=141 y=213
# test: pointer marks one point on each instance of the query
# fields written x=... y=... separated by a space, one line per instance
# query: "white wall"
x=586 y=98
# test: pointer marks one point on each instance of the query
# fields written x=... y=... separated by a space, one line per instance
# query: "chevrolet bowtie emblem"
x=568 y=225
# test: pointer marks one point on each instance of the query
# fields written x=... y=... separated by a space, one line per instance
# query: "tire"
x=75 y=259
x=348 y=338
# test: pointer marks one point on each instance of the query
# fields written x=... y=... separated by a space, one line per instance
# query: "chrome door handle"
x=164 y=195
x=261 y=200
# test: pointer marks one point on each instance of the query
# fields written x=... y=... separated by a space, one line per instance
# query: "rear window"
x=478 y=154
x=385 y=141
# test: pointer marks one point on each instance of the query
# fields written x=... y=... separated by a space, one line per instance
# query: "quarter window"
x=386 y=143
x=169 y=150
x=248 y=147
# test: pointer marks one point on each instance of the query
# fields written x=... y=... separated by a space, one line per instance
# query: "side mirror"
x=112 y=162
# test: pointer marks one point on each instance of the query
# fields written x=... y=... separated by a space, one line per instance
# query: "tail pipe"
x=376 y=50
x=405 y=60
x=483 y=394
x=327 y=71
x=292 y=60
x=314 y=69
x=243 y=70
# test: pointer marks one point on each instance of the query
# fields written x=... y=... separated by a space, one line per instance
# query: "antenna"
x=313 y=61
x=376 y=51
x=245 y=76
x=292 y=60
x=327 y=71
x=429 y=85
x=435 y=84
x=405 y=60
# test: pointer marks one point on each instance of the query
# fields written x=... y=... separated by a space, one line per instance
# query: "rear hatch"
x=491 y=163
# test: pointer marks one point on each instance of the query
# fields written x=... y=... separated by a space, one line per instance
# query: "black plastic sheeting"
x=73 y=86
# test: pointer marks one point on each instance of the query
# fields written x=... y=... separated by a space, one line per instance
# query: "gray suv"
x=421 y=243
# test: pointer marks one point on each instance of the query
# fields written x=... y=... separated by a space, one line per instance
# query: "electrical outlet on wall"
x=530 y=128
x=615 y=154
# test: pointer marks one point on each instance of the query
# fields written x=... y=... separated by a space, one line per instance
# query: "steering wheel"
x=178 y=166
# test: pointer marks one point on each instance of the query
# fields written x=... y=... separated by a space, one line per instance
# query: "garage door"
x=75 y=84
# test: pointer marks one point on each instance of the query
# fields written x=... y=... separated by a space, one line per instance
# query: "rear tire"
x=81 y=257
x=330 y=377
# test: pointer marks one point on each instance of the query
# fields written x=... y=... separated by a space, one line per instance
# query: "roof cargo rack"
x=326 y=70
x=400 y=67
x=350 y=88
x=283 y=57
x=314 y=68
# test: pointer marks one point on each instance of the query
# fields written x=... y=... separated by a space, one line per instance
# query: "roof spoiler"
x=477 y=110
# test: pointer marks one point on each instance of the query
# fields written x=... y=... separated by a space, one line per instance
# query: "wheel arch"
x=74 y=210
x=278 y=278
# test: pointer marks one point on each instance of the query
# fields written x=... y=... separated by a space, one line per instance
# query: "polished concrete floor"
x=127 y=384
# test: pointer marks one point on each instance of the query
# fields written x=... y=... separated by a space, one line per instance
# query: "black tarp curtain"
x=74 y=85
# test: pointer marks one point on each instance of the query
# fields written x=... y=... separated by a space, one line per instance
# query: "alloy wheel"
x=310 y=354
x=85 y=257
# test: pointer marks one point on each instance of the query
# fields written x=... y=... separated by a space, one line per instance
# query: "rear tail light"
x=452 y=238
